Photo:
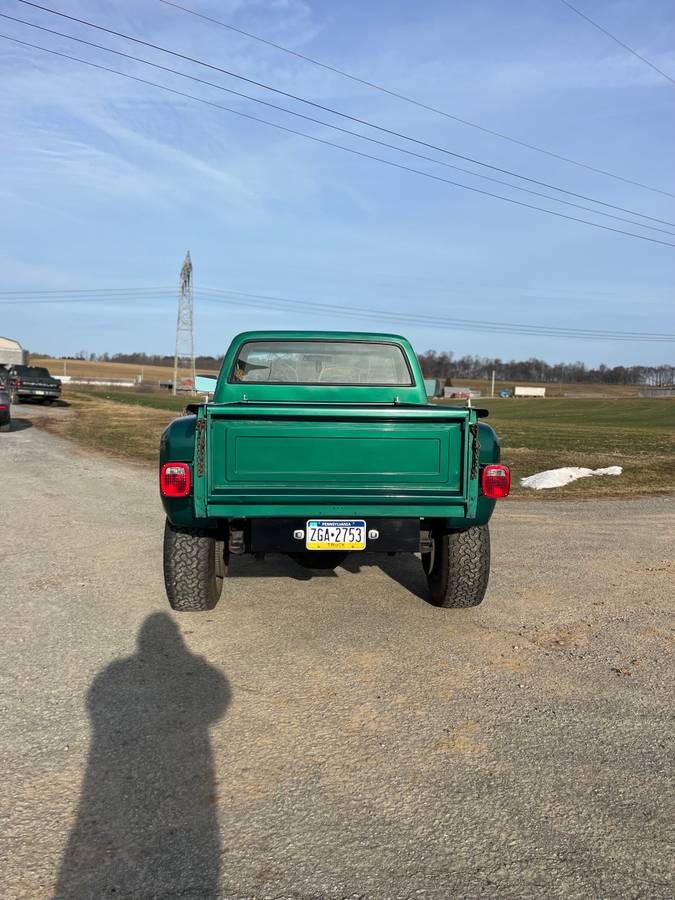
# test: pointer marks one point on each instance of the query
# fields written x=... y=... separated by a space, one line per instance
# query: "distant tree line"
x=144 y=359
x=141 y=359
x=446 y=367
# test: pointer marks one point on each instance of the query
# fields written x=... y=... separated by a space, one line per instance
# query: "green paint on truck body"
x=263 y=450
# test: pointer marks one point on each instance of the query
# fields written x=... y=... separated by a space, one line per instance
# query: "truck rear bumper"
x=278 y=535
x=38 y=394
x=181 y=512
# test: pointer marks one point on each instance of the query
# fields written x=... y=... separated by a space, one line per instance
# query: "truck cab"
x=321 y=444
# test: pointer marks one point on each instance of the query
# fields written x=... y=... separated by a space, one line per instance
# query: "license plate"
x=336 y=534
x=41 y=392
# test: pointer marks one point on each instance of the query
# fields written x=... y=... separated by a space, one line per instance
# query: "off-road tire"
x=193 y=568
x=458 y=567
x=319 y=559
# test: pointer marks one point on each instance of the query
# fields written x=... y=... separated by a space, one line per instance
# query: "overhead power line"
x=557 y=295
x=91 y=291
x=273 y=303
x=348 y=131
x=266 y=301
x=328 y=109
x=414 y=102
x=82 y=295
x=616 y=41
x=56 y=300
x=359 y=153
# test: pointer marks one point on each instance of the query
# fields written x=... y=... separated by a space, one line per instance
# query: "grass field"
x=129 y=431
x=153 y=400
x=638 y=435
x=553 y=390
x=536 y=435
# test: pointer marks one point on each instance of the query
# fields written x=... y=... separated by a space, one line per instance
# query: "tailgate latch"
x=201 y=445
x=475 y=450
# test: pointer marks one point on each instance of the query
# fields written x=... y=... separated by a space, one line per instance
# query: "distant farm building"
x=529 y=391
x=11 y=353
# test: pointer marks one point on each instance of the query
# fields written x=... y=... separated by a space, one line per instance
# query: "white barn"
x=11 y=352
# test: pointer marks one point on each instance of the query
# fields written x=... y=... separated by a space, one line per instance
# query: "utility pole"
x=184 y=359
x=492 y=393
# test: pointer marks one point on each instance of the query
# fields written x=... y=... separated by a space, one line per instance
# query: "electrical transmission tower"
x=184 y=360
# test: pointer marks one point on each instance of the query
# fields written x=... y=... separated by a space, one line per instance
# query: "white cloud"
x=142 y=173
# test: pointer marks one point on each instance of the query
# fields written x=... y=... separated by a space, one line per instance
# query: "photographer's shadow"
x=146 y=823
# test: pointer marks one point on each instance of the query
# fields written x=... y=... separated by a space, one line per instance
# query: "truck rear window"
x=32 y=372
x=322 y=362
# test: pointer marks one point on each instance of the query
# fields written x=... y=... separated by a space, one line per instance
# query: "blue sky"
x=105 y=182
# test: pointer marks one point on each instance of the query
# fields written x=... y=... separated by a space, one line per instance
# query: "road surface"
x=331 y=736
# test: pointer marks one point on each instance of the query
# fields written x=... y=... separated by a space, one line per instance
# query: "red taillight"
x=2 y=407
x=174 y=479
x=18 y=382
x=496 y=482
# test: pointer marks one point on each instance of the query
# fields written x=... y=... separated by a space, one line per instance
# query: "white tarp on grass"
x=560 y=477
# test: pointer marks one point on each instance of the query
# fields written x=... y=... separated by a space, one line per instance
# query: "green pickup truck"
x=321 y=444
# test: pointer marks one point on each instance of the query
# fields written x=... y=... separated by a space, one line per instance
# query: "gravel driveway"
x=331 y=736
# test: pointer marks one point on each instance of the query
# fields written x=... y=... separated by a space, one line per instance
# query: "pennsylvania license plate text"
x=336 y=534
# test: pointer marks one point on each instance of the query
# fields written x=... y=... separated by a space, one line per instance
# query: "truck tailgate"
x=320 y=457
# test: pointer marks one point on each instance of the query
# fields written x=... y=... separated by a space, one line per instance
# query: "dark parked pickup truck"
x=320 y=444
x=5 y=408
x=32 y=383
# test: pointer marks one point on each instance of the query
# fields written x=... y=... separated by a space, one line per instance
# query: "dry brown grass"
x=116 y=429
x=84 y=369
x=648 y=471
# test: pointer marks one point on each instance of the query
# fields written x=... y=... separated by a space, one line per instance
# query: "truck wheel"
x=458 y=567
x=194 y=568
x=319 y=559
